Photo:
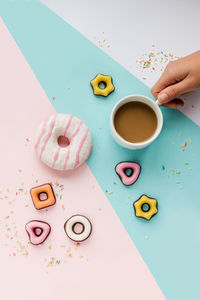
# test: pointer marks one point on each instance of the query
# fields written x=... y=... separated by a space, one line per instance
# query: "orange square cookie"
x=43 y=196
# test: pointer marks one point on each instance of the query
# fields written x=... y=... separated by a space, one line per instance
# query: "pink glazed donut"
x=76 y=143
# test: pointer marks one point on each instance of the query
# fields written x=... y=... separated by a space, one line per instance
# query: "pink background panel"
x=107 y=265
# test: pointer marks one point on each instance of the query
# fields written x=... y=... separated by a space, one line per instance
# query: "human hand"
x=179 y=77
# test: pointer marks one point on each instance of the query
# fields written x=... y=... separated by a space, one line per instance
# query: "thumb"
x=175 y=90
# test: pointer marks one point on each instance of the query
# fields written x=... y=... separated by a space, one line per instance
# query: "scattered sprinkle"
x=184 y=145
x=154 y=60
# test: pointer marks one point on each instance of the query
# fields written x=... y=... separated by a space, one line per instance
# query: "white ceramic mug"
x=139 y=98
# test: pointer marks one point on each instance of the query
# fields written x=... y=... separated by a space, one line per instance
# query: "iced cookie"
x=38 y=231
x=43 y=196
x=63 y=142
x=128 y=172
x=70 y=230
x=145 y=207
x=106 y=81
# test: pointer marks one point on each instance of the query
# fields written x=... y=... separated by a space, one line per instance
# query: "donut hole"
x=78 y=228
x=43 y=196
x=102 y=85
x=145 y=207
x=128 y=172
x=38 y=231
x=63 y=141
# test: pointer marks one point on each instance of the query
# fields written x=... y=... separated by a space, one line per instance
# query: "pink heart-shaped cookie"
x=121 y=169
x=37 y=231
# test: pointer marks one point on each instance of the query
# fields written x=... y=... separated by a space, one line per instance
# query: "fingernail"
x=163 y=98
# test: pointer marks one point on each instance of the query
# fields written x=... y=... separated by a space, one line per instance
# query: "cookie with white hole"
x=43 y=196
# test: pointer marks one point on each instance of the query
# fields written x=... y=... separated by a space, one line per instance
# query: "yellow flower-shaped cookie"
x=106 y=80
x=145 y=207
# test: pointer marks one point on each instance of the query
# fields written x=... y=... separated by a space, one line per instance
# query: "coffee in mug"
x=135 y=121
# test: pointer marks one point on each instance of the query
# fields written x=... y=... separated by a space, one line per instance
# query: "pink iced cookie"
x=38 y=231
x=122 y=171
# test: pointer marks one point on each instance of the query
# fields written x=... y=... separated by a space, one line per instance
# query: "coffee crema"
x=135 y=122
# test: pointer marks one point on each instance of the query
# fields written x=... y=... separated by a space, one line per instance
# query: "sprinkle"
x=186 y=163
x=63 y=207
x=27 y=139
x=184 y=145
x=163 y=167
x=110 y=193
x=49 y=247
x=190 y=141
x=20 y=170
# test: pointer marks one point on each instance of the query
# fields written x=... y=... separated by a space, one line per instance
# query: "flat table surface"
x=43 y=59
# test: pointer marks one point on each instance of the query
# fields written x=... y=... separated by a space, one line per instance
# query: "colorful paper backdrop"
x=64 y=62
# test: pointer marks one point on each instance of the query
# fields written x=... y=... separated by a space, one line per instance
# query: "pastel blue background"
x=64 y=63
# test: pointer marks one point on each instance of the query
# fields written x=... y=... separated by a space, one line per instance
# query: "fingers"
x=170 y=76
x=173 y=91
x=174 y=103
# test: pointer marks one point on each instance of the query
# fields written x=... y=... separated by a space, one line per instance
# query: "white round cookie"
x=70 y=224
x=63 y=158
